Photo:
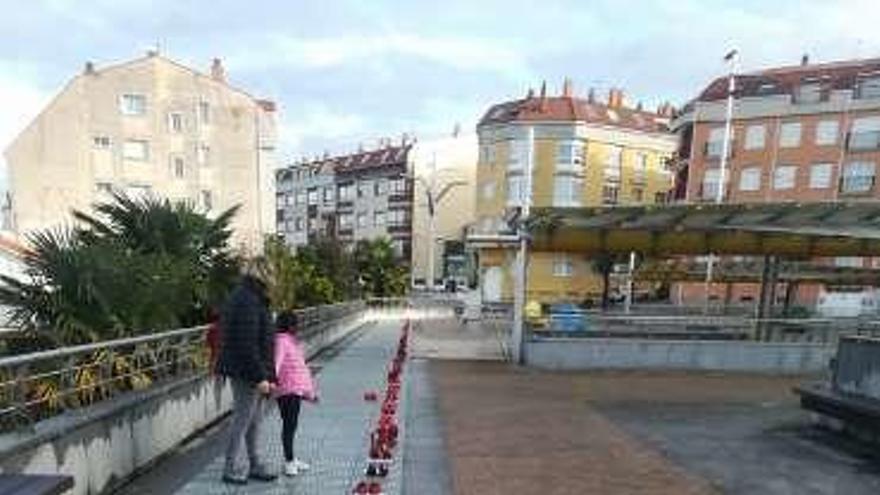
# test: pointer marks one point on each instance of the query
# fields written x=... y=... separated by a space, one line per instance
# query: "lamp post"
x=732 y=58
x=433 y=198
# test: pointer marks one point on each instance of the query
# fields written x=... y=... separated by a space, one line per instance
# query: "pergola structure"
x=788 y=230
x=774 y=231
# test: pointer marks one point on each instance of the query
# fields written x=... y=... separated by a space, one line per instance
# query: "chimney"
x=805 y=59
x=543 y=103
x=530 y=94
x=591 y=96
x=639 y=107
x=218 y=73
x=89 y=68
x=567 y=88
x=615 y=98
x=152 y=53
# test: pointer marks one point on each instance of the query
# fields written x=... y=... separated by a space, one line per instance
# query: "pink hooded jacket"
x=293 y=375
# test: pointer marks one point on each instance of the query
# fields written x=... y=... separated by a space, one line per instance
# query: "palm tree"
x=136 y=266
x=603 y=264
x=382 y=273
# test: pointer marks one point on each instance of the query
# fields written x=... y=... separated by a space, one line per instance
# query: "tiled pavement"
x=333 y=435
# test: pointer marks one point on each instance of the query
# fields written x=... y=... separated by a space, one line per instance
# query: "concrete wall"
x=103 y=445
x=758 y=357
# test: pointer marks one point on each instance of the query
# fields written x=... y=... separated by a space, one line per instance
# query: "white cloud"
x=21 y=101
x=317 y=122
x=465 y=53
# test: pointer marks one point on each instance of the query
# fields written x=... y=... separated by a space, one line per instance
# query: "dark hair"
x=287 y=321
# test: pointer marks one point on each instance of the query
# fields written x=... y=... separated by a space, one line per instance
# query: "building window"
x=397 y=185
x=660 y=198
x=755 y=135
x=715 y=144
x=711 y=187
x=826 y=132
x=518 y=154
x=848 y=261
x=379 y=218
x=790 y=135
x=380 y=187
x=488 y=190
x=614 y=163
x=869 y=88
x=203 y=152
x=858 y=177
x=638 y=195
x=514 y=190
x=207 y=200
x=610 y=193
x=136 y=149
x=362 y=220
x=784 y=177
x=175 y=122
x=364 y=188
x=641 y=169
x=298 y=224
x=300 y=198
x=562 y=266
x=346 y=192
x=487 y=154
x=312 y=197
x=865 y=134
x=133 y=104
x=101 y=142
x=567 y=191
x=104 y=188
x=750 y=179
x=809 y=93
x=345 y=221
x=178 y=168
x=397 y=246
x=204 y=113
x=138 y=192
x=820 y=175
x=328 y=195
x=397 y=218
x=569 y=156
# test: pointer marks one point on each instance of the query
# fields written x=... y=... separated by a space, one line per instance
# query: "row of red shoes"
x=384 y=438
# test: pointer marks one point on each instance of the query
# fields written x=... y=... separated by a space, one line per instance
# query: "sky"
x=350 y=72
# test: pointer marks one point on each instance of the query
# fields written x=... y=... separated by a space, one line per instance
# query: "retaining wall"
x=739 y=356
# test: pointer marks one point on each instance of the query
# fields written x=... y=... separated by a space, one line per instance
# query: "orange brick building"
x=803 y=133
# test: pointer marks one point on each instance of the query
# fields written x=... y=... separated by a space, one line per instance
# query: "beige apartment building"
x=149 y=126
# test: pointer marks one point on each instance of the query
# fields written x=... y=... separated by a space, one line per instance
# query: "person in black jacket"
x=246 y=359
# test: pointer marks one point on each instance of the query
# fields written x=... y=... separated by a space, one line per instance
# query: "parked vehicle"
x=567 y=317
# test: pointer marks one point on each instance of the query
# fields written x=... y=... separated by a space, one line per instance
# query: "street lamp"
x=433 y=198
x=732 y=58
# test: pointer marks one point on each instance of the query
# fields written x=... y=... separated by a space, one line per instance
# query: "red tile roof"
x=361 y=160
x=571 y=109
x=785 y=80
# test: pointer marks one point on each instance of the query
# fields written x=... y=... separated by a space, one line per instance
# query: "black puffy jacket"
x=247 y=334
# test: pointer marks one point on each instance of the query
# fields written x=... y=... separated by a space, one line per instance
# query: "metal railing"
x=39 y=385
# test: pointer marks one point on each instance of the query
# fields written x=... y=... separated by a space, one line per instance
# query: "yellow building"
x=148 y=126
x=581 y=153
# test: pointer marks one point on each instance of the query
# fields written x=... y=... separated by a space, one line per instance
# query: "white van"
x=848 y=303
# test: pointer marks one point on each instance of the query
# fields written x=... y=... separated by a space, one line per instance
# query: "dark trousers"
x=288 y=405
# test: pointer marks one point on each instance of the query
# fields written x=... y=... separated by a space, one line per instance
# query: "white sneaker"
x=300 y=465
x=291 y=469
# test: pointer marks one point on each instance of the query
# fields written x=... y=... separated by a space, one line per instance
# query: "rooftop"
x=567 y=107
x=385 y=155
x=785 y=80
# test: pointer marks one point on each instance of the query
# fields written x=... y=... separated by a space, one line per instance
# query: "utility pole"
x=731 y=58
x=519 y=296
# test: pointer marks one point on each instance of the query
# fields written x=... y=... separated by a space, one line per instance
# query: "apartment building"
x=148 y=126
x=358 y=196
x=802 y=133
x=582 y=152
x=384 y=192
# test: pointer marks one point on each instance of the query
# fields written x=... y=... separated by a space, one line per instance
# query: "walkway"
x=333 y=435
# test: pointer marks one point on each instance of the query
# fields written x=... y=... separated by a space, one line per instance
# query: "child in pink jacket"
x=294 y=384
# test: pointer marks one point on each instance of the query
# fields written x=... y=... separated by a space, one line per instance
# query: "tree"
x=134 y=266
x=380 y=271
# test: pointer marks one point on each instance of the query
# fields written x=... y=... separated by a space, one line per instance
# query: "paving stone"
x=333 y=436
